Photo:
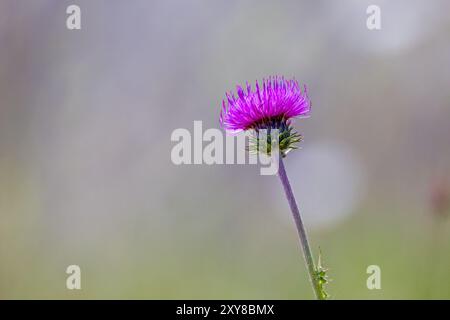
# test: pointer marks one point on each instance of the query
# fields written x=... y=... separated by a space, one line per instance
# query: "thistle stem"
x=307 y=254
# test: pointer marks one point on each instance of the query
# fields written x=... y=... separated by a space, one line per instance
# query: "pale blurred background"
x=86 y=176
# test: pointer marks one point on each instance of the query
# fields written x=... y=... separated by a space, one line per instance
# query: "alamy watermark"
x=73 y=21
x=215 y=147
x=73 y=281
x=373 y=21
x=374 y=280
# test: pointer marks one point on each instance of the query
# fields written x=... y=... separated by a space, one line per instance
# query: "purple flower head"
x=272 y=104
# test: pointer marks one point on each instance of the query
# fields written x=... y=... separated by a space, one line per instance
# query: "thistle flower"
x=273 y=106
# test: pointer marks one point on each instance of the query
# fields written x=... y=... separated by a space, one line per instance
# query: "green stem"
x=307 y=254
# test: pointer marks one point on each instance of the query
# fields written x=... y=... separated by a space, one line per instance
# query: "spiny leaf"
x=321 y=277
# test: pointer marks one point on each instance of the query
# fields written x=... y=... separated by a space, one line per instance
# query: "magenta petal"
x=277 y=98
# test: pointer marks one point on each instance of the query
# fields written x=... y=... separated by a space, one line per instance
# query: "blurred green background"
x=86 y=176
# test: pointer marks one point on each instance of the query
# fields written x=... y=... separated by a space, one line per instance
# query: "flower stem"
x=307 y=254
